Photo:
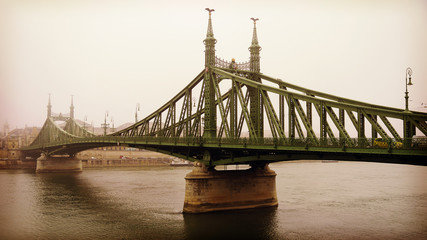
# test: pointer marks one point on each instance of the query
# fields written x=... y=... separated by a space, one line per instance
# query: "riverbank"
x=17 y=164
x=89 y=163
x=104 y=158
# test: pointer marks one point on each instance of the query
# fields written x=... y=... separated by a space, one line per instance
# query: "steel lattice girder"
x=52 y=136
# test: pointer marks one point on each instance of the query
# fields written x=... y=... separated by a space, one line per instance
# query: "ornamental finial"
x=254 y=19
x=254 y=36
x=210 y=31
x=209 y=10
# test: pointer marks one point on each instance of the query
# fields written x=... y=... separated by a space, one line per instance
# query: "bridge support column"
x=208 y=190
x=58 y=164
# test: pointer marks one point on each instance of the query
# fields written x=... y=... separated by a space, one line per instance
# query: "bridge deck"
x=244 y=150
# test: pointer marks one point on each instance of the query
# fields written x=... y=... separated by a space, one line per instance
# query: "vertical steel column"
x=148 y=127
x=173 y=119
x=255 y=110
x=361 y=128
x=188 y=120
x=322 y=124
x=341 y=117
x=373 y=130
x=291 y=114
x=210 y=107
x=159 y=132
x=408 y=131
x=233 y=110
x=309 y=113
x=282 y=110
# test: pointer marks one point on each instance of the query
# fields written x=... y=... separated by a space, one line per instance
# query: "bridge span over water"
x=232 y=113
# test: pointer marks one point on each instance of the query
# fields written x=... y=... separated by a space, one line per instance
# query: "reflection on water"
x=317 y=200
x=243 y=224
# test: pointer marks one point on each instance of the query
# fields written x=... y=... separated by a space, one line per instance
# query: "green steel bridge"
x=232 y=113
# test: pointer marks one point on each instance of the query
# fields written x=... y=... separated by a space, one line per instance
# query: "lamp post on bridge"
x=408 y=127
x=408 y=73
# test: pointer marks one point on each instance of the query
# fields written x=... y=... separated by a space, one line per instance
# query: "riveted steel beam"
x=420 y=124
x=282 y=110
x=245 y=111
x=339 y=123
x=221 y=108
x=375 y=125
x=224 y=123
x=275 y=126
x=292 y=118
x=308 y=127
x=391 y=128
x=242 y=116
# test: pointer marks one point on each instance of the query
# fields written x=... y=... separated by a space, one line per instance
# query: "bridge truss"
x=236 y=114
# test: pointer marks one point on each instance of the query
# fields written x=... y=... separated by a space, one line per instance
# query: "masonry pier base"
x=208 y=190
x=59 y=163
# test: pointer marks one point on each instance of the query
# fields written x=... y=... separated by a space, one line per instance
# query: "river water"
x=336 y=200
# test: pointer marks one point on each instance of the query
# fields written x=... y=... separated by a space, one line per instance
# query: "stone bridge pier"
x=208 y=190
x=58 y=163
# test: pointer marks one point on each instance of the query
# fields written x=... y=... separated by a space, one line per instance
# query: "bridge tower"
x=207 y=189
x=49 y=108
x=72 y=108
x=57 y=163
x=256 y=109
x=210 y=108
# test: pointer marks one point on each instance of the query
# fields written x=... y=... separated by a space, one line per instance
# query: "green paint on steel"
x=180 y=128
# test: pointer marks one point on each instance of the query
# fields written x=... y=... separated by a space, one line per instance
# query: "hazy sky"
x=114 y=54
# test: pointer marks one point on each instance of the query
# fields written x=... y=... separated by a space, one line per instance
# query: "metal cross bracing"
x=236 y=114
x=176 y=127
x=51 y=135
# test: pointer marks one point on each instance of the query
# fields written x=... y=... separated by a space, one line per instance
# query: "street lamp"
x=408 y=73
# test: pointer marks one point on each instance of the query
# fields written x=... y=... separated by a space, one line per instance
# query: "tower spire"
x=49 y=108
x=209 y=79
x=254 y=35
x=256 y=102
x=72 y=108
x=209 y=42
x=6 y=129
x=255 y=48
x=210 y=30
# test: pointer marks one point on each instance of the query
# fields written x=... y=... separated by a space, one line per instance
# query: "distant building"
x=12 y=141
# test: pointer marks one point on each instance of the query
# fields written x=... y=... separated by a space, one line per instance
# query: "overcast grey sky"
x=114 y=54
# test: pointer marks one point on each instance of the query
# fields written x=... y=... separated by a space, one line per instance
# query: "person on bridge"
x=233 y=64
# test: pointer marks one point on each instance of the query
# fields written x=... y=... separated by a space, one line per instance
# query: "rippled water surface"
x=344 y=200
